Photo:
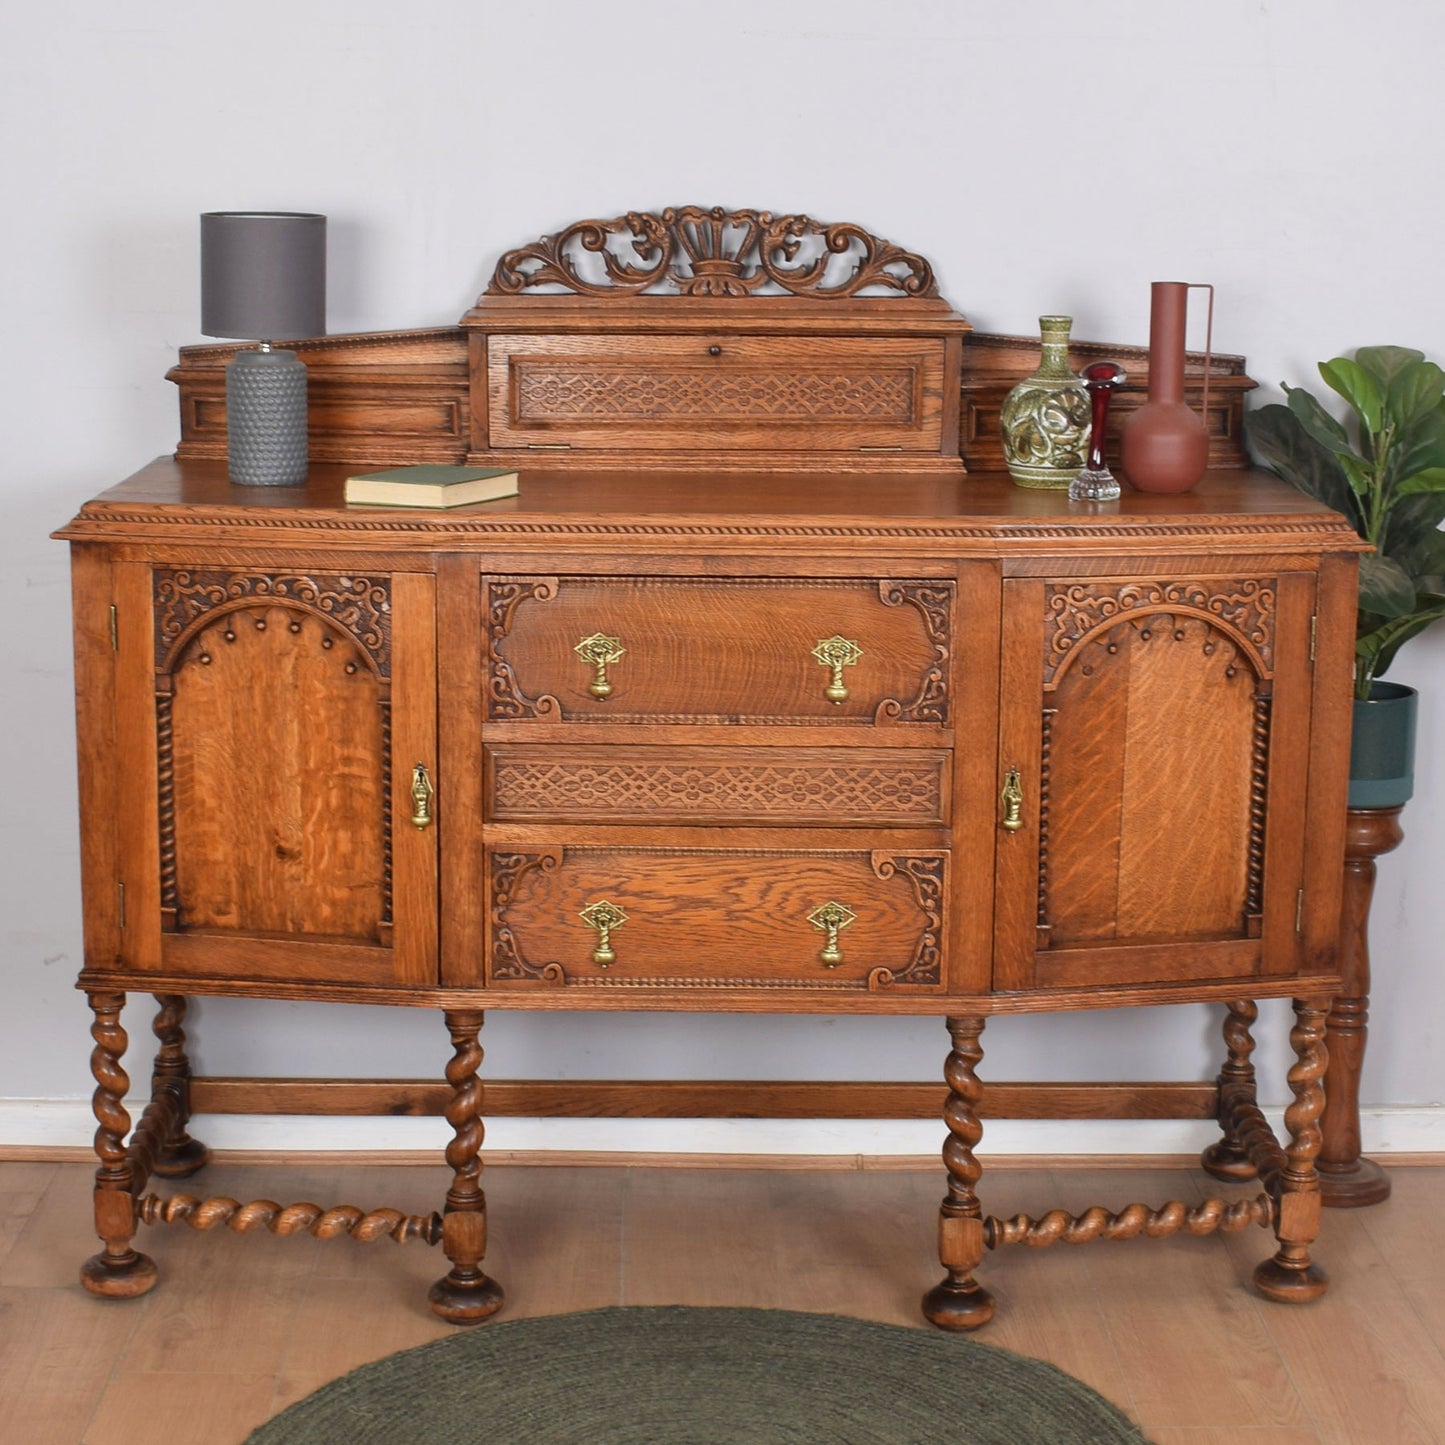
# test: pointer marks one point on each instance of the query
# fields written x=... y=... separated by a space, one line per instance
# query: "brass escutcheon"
x=1012 y=798
x=836 y=653
x=604 y=917
x=422 y=793
x=831 y=917
x=599 y=650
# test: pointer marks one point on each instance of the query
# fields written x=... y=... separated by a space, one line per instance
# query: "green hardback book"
x=431 y=486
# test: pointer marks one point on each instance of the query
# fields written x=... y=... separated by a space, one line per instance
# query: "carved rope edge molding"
x=711 y=251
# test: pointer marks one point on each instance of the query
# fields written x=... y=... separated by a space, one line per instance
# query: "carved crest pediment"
x=714 y=252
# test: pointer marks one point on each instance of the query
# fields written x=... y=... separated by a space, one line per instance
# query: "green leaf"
x=1384 y=363
x=1317 y=422
x=1358 y=388
x=1411 y=530
x=1432 y=479
x=1376 y=649
x=1385 y=587
x=1282 y=444
x=1420 y=446
x=1413 y=393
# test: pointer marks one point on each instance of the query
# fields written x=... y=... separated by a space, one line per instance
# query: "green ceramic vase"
x=1045 y=418
x=1382 y=747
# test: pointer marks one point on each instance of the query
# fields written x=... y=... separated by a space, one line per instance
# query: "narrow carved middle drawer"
x=829 y=786
x=638 y=918
x=858 y=651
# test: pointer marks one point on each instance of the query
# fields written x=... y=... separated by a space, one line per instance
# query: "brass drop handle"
x=1012 y=798
x=831 y=917
x=836 y=653
x=599 y=650
x=604 y=917
x=422 y=793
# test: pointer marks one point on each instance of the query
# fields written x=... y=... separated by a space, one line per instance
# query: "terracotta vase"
x=1164 y=445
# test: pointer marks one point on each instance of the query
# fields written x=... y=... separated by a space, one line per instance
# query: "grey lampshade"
x=263 y=274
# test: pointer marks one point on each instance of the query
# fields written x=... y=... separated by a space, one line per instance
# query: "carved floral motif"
x=1242 y=610
x=699 y=251
x=359 y=606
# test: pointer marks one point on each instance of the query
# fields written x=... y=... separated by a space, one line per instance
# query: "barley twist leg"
x=1228 y=1158
x=1291 y=1277
x=958 y=1301
x=119 y=1271
x=465 y=1294
x=180 y=1156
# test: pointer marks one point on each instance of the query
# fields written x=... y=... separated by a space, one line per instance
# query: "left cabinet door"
x=276 y=811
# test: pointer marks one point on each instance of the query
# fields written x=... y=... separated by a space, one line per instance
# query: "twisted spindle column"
x=958 y=1301
x=1291 y=1277
x=180 y=1156
x=465 y=1294
x=118 y=1271
x=1228 y=1158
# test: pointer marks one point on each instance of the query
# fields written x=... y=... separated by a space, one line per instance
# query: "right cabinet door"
x=1153 y=768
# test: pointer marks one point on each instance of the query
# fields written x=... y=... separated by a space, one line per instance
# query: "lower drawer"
x=635 y=918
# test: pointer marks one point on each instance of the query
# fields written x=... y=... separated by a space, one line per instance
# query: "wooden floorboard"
x=241 y=1326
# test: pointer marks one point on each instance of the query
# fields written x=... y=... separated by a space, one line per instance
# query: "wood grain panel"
x=278 y=819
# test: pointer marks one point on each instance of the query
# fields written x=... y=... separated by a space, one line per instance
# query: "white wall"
x=1049 y=157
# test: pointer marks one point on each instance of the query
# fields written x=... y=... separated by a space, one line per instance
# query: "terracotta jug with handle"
x=1164 y=445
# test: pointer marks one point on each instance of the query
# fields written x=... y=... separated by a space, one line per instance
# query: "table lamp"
x=263 y=277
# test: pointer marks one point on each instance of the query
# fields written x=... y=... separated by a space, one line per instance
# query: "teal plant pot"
x=1382 y=747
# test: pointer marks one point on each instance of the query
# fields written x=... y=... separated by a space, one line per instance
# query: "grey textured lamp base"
x=266 y=418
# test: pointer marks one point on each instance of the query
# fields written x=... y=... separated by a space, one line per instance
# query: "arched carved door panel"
x=282 y=766
x=1163 y=801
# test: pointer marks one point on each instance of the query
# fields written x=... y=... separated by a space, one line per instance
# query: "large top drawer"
x=846 y=650
x=715 y=392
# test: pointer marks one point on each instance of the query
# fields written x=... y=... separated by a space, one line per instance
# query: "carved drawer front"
x=758 y=650
x=608 y=393
x=625 y=918
x=834 y=786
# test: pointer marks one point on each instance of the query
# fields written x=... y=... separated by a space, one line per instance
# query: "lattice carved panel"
x=896 y=789
x=546 y=394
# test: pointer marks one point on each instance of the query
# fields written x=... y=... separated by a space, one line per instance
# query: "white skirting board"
x=68 y=1123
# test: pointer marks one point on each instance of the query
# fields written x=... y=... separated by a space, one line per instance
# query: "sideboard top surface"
x=981 y=513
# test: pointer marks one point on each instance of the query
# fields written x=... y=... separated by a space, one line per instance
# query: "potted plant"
x=1384 y=468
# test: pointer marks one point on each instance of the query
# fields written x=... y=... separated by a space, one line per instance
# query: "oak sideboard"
x=808 y=728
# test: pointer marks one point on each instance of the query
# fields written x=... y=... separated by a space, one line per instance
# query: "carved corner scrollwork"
x=925 y=873
x=934 y=604
x=506 y=962
x=1242 y=611
x=505 y=699
x=185 y=597
x=711 y=251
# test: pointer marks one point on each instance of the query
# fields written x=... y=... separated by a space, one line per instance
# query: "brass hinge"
x=1314 y=627
x=1299 y=911
x=114 y=629
x=120 y=895
x=881 y=449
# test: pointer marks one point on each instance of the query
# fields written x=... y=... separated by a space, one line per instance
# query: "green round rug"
x=703 y=1377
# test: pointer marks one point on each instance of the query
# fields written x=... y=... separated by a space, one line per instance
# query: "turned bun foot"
x=123 y=1278
x=1359 y=1183
x=953 y=1306
x=181 y=1163
x=465 y=1302
x=1227 y=1162
x=1288 y=1284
